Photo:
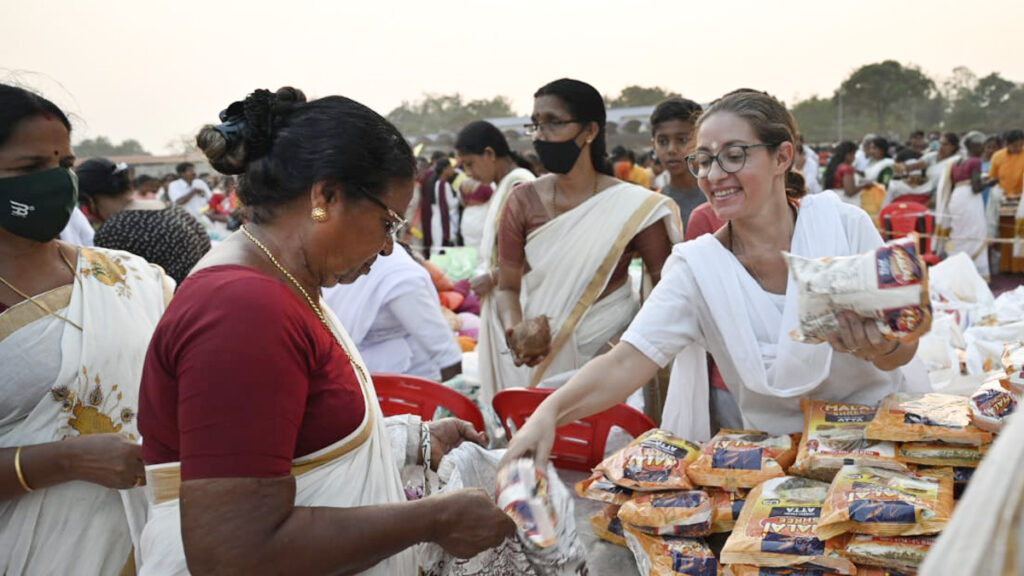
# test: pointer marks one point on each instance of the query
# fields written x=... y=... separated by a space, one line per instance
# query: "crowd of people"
x=185 y=401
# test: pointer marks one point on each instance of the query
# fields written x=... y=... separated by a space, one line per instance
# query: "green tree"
x=817 y=119
x=878 y=90
x=102 y=146
x=639 y=96
x=438 y=112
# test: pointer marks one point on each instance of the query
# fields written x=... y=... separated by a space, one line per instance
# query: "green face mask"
x=38 y=206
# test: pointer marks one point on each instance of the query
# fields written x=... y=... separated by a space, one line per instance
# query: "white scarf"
x=798 y=369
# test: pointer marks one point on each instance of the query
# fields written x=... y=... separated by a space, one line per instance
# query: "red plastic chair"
x=404 y=394
x=902 y=218
x=579 y=445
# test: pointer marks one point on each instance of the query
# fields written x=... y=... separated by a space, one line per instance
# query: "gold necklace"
x=44 y=307
x=309 y=300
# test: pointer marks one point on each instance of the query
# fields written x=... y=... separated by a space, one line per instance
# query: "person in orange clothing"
x=1008 y=164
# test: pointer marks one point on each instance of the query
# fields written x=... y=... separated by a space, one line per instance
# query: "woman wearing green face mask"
x=74 y=326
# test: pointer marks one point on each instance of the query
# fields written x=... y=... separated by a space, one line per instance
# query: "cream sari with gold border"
x=357 y=470
x=58 y=383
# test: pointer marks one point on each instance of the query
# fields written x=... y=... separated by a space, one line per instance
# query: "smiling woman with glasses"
x=264 y=441
x=566 y=240
x=730 y=294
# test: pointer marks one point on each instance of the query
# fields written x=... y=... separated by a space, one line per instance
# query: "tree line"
x=886 y=98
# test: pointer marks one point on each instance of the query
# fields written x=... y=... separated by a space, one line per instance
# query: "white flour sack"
x=889 y=284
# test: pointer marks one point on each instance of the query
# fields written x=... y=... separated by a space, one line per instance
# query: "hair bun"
x=246 y=131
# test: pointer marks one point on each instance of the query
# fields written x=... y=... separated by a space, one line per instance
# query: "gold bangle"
x=17 y=470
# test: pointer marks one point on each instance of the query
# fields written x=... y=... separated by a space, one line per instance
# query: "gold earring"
x=319 y=215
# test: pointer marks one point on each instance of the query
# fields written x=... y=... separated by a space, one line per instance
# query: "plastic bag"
x=889 y=284
x=686 y=513
x=926 y=418
x=993 y=404
x=607 y=526
x=458 y=263
x=1013 y=363
x=941 y=454
x=834 y=436
x=671 y=555
x=903 y=553
x=600 y=489
x=881 y=502
x=726 y=506
x=776 y=528
x=742 y=459
x=657 y=460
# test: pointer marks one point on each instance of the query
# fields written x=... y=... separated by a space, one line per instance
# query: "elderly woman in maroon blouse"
x=265 y=446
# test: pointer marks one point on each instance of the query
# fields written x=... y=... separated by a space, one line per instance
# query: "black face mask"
x=38 y=206
x=558 y=157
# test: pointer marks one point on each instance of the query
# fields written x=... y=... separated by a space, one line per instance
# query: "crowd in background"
x=476 y=266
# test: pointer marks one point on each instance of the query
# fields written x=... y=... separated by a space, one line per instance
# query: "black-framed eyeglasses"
x=393 y=226
x=547 y=127
x=731 y=159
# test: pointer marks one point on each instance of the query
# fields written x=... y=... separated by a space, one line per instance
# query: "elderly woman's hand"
x=447 y=433
x=861 y=337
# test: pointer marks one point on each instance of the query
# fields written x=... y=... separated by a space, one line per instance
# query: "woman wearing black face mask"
x=569 y=237
x=74 y=326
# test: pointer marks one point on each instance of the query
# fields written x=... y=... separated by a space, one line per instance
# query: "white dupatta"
x=117 y=299
x=766 y=379
x=358 y=470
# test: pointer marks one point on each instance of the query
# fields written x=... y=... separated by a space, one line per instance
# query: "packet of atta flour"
x=834 y=435
x=657 y=460
x=736 y=459
x=889 y=284
x=776 y=528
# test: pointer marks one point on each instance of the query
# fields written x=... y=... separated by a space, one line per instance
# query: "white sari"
x=60 y=382
x=571 y=260
x=495 y=367
x=358 y=470
x=708 y=301
x=960 y=217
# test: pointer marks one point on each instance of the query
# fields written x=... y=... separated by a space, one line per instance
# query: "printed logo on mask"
x=20 y=210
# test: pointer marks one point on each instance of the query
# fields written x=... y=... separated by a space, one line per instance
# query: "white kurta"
x=706 y=300
x=394 y=316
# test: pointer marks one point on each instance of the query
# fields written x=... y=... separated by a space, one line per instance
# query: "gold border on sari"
x=25 y=312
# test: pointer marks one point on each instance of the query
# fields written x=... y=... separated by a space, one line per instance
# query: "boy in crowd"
x=673 y=136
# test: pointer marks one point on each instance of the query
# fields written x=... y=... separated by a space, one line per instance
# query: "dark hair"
x=480 y=135
x=954 y=139
x=143 y=179
x=17 y=104
x=180 y=169
x=995 y=138
x=842 y=150
x=585 y=104
x=674 y=109
x=772 y=124
x=882 y=144
x=284 y=145
x=1014 y=136
x=917 y=134
x=101 y=177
